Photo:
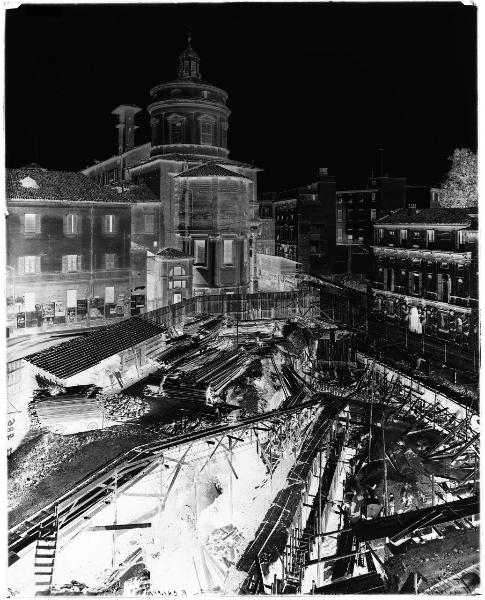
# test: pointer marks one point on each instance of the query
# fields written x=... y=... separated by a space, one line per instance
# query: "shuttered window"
x=29 y=264
x=228 y=252
x=32 y=223
x=176 y=132
x=110 y=224
x=71 y=263
x=72 y=224
x=110 y=261
x=149 y=223
x=199 y=252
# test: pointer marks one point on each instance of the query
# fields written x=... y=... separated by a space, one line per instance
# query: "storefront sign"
x=82 y=306
x=21 y=319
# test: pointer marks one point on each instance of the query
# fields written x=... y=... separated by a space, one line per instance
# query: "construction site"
x=251 y=445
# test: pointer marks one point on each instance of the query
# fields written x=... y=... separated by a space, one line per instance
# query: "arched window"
x=176 y=271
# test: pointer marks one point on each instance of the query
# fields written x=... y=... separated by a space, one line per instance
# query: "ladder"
x=45 y=555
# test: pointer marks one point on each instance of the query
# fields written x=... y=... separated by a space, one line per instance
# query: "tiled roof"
x=140 y=193
x=174 y=253
x=77 y=355
x=210 y=169
x=56 y=185
x=447 y=216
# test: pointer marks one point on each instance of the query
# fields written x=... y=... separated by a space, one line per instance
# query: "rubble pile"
x=226 y=543
x=119 y=407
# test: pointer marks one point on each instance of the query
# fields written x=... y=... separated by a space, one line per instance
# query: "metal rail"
x=134 y=463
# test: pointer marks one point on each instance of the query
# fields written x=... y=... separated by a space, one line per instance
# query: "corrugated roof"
x=56 y=185
x=172 y=253
x=78 y=355
x=448 y=216
x=210 y=169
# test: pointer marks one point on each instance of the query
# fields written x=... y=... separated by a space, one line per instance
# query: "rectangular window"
x=416 y=283
x=177 y=298
x=339 y=234
x=340 y=214
x=461 y=236
x=72 y=224
x=380 y=234
x=392 y=233
x=176 y=132
x=110 y=261
x=373 y=214
x=32 y=223
x=149 y=223
x=199 y=252
x=350 y=235
x=404 y=235
x=29 y=264
x=430 y=235
x=109 y=224
x=206 y=133
x=176 y=283
x=71 y=263
x=228 y=252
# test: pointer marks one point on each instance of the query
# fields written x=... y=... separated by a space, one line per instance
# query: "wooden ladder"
x=45 y=555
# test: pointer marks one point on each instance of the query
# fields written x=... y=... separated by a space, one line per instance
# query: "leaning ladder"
x=45 y=555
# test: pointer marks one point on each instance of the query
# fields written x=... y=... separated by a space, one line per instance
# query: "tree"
x=460 y=188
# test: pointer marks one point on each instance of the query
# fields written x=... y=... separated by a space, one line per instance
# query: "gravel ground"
x=48 y=466
x=436 y=560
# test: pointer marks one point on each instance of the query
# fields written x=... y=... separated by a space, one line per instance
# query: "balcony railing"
x=400 y=289
x=465 y=302
x=378 y=285
x=430 y=295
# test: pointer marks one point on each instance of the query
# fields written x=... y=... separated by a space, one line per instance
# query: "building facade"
x=189 y=122
x=169 y=278
x=68 y=249
x=424 y=272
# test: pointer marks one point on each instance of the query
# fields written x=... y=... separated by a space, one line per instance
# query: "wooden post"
x=115 y=520
x=385 y=466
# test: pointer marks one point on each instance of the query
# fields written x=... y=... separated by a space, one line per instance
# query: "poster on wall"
x=71 y=299
x=21 y=319
x=48 y=310
x=60 y=309
x=82 y=307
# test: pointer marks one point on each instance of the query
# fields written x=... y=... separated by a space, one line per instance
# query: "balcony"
x=430 y=295
x=465 y=302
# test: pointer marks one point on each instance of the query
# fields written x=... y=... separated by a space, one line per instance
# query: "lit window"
x=110 y=261
x=206 y=133
x=199 y=252
x=392 y=233
x=339 y=214
x=339 y=234
x=350 y=234
x=430 y=235
x=404 y=235
x=381 y=234
x=177 y=298
x=228 y=252
x=32 y=223
x=373 y=214
x=176 y=283
x=149 y=223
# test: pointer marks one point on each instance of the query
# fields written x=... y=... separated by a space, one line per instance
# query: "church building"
x=185 y=191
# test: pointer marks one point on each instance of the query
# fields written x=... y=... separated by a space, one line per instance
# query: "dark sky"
x=310 y=85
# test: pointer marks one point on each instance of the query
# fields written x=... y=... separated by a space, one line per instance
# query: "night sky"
x=310 y=85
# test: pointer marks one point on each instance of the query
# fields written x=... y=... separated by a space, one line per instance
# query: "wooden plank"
x=118 y=527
